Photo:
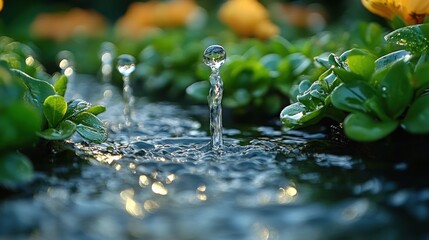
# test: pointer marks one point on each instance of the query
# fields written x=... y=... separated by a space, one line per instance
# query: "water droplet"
x=126 y=64
x=214 y=56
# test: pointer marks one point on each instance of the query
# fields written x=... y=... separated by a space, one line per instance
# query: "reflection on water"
x=166 y=184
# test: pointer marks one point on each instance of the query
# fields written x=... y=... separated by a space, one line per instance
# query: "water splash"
x=107 y=54
x=214 y=56
x=126 y=66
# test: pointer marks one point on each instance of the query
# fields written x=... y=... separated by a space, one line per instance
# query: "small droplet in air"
x=214 y=56
x=126 y=64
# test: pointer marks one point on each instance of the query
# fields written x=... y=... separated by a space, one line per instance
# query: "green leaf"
x=396 y=89
x=54 y=108
x=90 y=127
x=417 y=119
x=412 y=38
x=19 y=124
x=38 y=90
x=296 y=115
x=421 y=79
x=346 y=76
x=61 y=85
x=361 y=63
x=364 y=128
x=357 y=97
x=199 y=90
x=76 y=106
x=63 y=131
x=96 y=109
x=15 y=168
x=10 y=90
x=300 y=63
x=391 y=58
x=271 y=63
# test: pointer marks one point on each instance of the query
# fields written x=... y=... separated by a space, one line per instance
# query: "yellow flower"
x=142 y=18
x=411 y=11
x=61 y=26
x=248 y=18
x=1 y=5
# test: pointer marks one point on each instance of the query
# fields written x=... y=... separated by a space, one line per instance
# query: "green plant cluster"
x=32 y=107
x=371 y=95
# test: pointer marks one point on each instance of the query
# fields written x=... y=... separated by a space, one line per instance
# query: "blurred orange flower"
x=1 y=5
x=142 y=18
x=61 y=26
x=411 y=11
x=248 y=18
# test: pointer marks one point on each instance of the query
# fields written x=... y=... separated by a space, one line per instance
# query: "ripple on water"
x=162 y=181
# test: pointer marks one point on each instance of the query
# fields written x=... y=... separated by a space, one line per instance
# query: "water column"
x=214 y=56
x=126 y=66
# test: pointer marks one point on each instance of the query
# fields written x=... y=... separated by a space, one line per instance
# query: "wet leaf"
x=63 y=131
x=396 y=89
x=357 y=97
x=90 y=127
x=417 y=119
x=15 y=168
x=391 y=58
x=412 y=38
x=364 y=128
x=54 y=108
x=96 y=109
x=296 y=115
x=75 y=107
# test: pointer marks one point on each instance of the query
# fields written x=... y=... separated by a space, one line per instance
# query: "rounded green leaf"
x=396 y=89
x=54 y=108
x=15 y=168
x=417 y=118
x=296 y=115
x=361 y=63
x=90 y=127
x=63 y=131
x=354 y=97
x=364 y=128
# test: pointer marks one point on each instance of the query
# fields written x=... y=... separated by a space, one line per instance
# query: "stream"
x=159 y=179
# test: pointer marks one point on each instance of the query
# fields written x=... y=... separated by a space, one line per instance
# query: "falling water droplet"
x=384 y=91
x=214 y=56
x=126 y=66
